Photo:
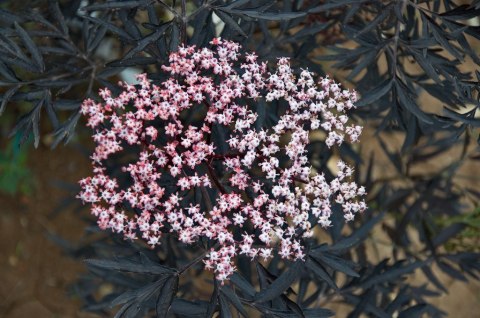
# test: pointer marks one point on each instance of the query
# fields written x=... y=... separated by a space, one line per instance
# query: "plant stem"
x=184 y=23
x=396 y=39
x=211 y=173
x=195 y=261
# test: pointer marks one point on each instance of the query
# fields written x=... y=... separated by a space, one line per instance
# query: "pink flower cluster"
x=265 y=186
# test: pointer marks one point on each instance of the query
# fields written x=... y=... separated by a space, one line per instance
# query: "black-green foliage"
x=53 y=54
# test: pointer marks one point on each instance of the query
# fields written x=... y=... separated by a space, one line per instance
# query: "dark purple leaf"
x=147 y=40
x=271 y=16
x=165 y=298
x=375 y=93
x=358 y=235
x=186 y=308
x=31 y=47
x=58 y=15
x=6 y=97
x=391 y=274
x=146 y=267
x=224 y=308
x=281 y=284
x=318 y=313
x=451 y=271
x=115 y=5
x=229 y=21
x=110 y=26
x=319 y=271
x=336 y=263
x=232 y=298
x=243 y=284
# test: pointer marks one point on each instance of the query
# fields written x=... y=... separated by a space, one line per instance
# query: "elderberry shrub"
x=56 y=54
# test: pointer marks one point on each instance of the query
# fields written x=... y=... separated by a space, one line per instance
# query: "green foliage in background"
x=15 y=177
x=469 y=238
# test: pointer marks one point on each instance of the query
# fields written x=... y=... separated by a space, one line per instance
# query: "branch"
x=184 y=23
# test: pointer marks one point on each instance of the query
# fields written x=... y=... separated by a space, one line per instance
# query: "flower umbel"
x=258 y=181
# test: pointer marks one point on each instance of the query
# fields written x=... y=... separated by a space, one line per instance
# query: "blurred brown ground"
x=34 y=272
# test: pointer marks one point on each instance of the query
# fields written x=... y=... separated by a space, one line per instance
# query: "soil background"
x=35 y=273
